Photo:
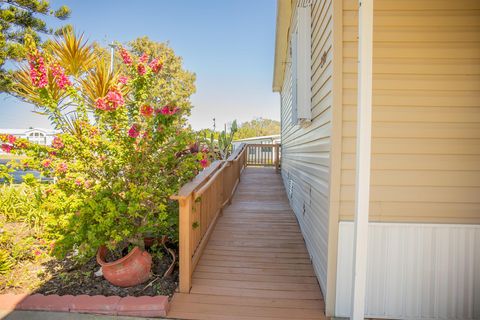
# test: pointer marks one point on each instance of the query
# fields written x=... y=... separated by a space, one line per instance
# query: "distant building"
x=261 y=140
x=36 y=135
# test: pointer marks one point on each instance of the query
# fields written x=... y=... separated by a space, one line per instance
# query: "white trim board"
x=414 y=271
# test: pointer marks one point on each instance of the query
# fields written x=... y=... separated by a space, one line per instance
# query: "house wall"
x=415 y=271
x=423 y=258
x=426 y=111
x=306 y=150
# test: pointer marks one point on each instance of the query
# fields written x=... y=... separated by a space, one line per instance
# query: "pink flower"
x=123 y=79
x=134 y=132
x=6 y=147
x=101 y=104
x=155 y=65
x=204 y=163
x=115 y=98
x=11 y=139
x=38 y=72
x=146 y=110
x=46 y=163
x=37 y=252
x=125 y=56
x=61 y=79
x=141 y=69
x=62 y=167
x=168 y=110
x=144 y=58
x=57 y=143
x=165 y=110
x=112 y=101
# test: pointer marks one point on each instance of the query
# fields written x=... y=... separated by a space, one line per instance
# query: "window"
x=300 y=50
x=37 y=137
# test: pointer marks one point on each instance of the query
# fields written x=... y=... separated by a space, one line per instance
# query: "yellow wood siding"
x=426 y=111
x=306 y=150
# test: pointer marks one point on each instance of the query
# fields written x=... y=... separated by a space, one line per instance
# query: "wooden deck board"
x=255 y=265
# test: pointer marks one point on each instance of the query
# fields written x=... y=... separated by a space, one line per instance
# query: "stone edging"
x=144 y=306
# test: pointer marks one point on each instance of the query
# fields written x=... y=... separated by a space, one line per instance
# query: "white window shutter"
x=293 y=47
x=302 y=61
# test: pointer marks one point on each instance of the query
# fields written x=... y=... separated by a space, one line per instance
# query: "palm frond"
x=73 y=52
x=97 y=82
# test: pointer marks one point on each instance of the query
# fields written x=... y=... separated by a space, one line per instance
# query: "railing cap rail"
x=201 y=178
x=263 y=145
x=236 y=152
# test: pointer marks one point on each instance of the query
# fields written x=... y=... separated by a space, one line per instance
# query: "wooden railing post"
x=185 y=221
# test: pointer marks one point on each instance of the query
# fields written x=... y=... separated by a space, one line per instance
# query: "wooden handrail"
x=236 y=152
x=256 y=145
x=198 y=181
x=209 y=182
x=201 y=202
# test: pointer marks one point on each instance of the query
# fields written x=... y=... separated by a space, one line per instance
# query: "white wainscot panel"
x=415 y=271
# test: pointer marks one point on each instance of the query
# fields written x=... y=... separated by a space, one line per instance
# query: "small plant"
x=222 y=147
x=6 y=263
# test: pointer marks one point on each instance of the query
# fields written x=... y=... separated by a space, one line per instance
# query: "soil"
x=76 y=280
x=64 y=277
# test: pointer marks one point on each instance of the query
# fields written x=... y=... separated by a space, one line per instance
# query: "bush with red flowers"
x=122 y=151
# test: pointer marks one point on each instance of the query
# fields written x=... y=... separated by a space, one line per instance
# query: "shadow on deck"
x=255 y=265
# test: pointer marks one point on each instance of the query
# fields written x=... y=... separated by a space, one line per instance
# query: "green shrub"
x=22 y=203
x=123 y=151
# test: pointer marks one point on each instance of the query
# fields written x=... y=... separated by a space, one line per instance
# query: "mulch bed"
x=64 y=277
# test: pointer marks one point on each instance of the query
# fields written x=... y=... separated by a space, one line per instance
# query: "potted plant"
x=122 y=151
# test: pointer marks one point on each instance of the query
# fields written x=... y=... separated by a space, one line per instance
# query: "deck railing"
x=202 y=201
x=263 y=155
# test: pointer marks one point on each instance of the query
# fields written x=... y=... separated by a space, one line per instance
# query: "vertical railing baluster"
x=185 y=230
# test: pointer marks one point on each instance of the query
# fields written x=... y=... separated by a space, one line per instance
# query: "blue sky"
x=229 y=44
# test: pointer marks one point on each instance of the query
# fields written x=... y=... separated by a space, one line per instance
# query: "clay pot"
x=151 y=240
x=128 y=271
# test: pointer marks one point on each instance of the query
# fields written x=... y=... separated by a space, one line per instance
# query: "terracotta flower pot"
x=128 y=271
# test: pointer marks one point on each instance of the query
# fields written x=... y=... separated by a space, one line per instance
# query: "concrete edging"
x=144 y=306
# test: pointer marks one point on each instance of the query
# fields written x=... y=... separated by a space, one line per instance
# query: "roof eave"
x=284 y=10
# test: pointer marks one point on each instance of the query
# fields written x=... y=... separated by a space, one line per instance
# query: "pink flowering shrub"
x=124 y=146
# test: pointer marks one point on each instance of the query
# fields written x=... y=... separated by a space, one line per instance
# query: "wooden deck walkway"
x=255 y=265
